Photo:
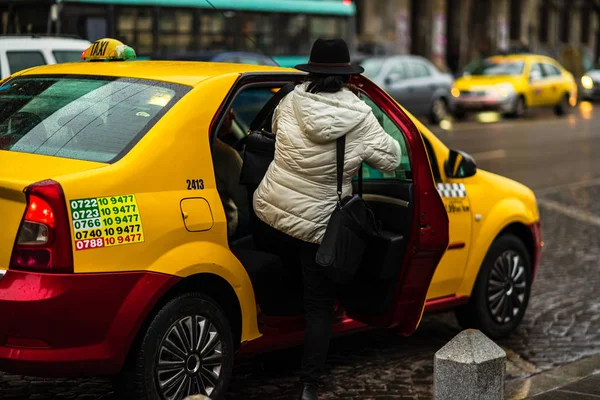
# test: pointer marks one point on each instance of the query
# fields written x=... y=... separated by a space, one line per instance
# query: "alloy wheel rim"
x=507 y=287
x=190 y=359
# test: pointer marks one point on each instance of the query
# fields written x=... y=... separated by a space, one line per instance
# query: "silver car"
x=414 y=82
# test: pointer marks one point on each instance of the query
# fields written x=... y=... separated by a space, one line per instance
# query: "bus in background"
x=283 y=29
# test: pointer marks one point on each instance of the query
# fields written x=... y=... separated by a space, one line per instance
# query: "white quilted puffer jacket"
x=298 y=193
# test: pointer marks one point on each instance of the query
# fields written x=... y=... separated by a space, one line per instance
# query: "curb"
x=522 y=388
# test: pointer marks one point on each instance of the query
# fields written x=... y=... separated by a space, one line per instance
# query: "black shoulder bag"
x=351 y=226
x=259 y=145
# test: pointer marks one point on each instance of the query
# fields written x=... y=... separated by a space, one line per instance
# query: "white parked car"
x=21 y=52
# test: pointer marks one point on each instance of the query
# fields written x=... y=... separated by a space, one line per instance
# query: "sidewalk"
x=579 y=380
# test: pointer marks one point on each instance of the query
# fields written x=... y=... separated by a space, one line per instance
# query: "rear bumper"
x=593 y=93
x=73 y=325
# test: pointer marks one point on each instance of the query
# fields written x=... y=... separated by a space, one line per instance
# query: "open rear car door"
x=391 y=288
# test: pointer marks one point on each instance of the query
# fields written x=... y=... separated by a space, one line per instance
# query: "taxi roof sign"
x=108 y=50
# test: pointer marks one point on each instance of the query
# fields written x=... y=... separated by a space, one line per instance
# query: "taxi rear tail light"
x=44 y=239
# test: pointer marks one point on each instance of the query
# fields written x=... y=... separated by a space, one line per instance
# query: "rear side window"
x=551 y=70
x=20 y=60
x=84 y=118
x=419 y=70
x=67 y=56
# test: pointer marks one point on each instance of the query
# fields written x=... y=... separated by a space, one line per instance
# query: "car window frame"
x=542 y=73
x=433 y=162
x=179 y=89
x=63 y=50
x=38 y=51
x=413 y=65
x=389 y=71
x=545 y=64
x=405 y=148
x=245 y=81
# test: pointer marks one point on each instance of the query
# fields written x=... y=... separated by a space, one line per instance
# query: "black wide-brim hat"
x=330 y=57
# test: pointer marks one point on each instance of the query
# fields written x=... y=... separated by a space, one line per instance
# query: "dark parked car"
x=590 y=84
x=238 y=57
x=414 y=82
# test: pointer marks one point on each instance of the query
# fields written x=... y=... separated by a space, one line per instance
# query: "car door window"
x=403 y=172
x=248 y=103
x=66 y=56
x=550 y=70
x=20 y=60
x=536 y=73
x=419 y=69
x=396 y=73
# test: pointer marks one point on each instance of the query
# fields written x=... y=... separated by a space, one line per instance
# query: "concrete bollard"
x=470 y=366
x=197 y=397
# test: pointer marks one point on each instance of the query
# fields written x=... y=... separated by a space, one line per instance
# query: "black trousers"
x=319 y=299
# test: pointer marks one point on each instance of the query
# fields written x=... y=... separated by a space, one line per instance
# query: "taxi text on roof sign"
x=108 y=50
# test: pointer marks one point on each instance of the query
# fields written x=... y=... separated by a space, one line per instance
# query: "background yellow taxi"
x=115 y=257
x=511 y=84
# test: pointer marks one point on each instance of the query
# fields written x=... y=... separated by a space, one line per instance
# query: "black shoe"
x=309 y=392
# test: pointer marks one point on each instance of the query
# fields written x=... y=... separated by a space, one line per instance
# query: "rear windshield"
x=85 y=118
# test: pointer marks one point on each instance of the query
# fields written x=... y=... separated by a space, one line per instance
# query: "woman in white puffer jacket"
x=298 y=193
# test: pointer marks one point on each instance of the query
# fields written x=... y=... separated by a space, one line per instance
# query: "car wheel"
x=187 y=349
x=501 y=293
x=519 y=108
x=459 y=115
x=439 y=110
x=563 y=107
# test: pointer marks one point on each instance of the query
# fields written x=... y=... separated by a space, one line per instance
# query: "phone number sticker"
x=106 y=221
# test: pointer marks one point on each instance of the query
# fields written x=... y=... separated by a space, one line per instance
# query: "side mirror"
x=459 y=165
x=535 y=76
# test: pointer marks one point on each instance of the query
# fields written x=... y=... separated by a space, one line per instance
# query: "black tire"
x=519 y=108
x=140 y=379
x=487 y=294
x=459 y=115
x=563 y=107
x=439 y=110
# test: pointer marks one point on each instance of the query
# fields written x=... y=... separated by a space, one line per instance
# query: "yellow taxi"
x=513 y=83
x=115 y=253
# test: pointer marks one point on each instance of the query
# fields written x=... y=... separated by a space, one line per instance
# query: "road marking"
x=574 y=185
x=489 y=155
x=582 y=394
x=569 y=211
x=502 y=124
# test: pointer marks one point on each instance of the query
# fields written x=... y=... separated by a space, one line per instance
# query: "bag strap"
x=339 y=155
x=360 y=180
x=260 y=118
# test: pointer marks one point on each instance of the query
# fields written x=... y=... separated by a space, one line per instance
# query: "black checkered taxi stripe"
x=452 y=189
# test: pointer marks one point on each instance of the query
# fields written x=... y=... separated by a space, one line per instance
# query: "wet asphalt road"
x=541 y=150
x=550 y=154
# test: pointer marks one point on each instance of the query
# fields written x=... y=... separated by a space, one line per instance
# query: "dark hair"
x=326 y=83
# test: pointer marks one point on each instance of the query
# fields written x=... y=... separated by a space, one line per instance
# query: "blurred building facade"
x=451 y=33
